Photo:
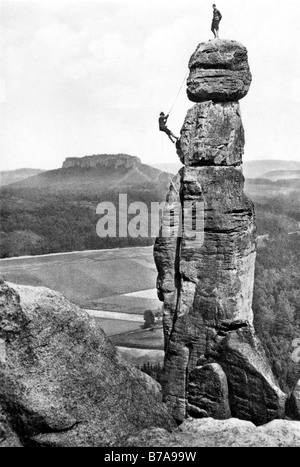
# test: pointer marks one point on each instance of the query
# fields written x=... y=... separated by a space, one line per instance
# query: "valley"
x=109 y=285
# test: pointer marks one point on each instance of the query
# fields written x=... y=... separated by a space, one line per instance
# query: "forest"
x=276 y=304
x=56 y=211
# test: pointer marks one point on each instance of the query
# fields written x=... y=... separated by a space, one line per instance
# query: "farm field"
x=141 y=339
x=122 y=280
x=114 y=286
x=112 y=327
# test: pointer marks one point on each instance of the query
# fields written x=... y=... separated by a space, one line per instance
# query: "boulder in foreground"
x=62 y=382
x=208 y=432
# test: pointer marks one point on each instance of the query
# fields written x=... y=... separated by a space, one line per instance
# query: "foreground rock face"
x=293 y=403
x=62 y=383
x=222 y=433
x=208 y=392
x=254 y=394
x=8 y=436
x=206 y=274
x=219 y=71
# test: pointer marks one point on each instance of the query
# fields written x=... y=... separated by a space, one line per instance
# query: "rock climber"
x=163 y=127
x=215 y=21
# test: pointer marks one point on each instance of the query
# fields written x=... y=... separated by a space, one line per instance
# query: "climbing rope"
x=178 y=93
x=165 y=164
x=161 y=139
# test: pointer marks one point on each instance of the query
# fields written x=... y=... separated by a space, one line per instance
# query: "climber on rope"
x=215 y=21
x=163 y=127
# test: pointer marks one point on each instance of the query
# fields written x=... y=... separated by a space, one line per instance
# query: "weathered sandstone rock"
x=206 y=276
x=8 y=436
x=62 y=382
x=219 y=71
x=207 y=289
x=208 y=432
x=253 y=391
x=293 y=403
x=212 y=134
x=208 y=391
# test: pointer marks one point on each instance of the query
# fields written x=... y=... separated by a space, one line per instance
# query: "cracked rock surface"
x=219 y=71
x=293 y=404
x=221 y=433
x=62 y=382
x=206 y=274
x=212 y=134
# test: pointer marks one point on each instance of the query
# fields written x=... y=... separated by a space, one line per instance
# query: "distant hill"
x=55 y=211
x=91 y=175
x=257 y=168
x=11 y=176
x=277 y=204
x=251 y=169
x=282 y=175
x=171 y=167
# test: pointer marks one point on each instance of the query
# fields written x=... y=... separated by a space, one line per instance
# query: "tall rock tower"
x=214 y=364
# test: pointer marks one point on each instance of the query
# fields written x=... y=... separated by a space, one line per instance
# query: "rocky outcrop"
x=206 y=275
x=293 y=403
x=114 y=161
x=208 y=432
x=62 y=382
x=8 y=436
x=219 y=71
x=212 y=134
x=208 y=392
x=254 y=394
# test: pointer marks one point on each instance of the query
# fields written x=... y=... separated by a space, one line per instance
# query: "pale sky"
x=81 y=77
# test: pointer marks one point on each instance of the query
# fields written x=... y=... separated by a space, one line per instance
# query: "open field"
x=125 y=303
x=114 y=286
x=141 y=339
x=117 y=326
x=95 y=279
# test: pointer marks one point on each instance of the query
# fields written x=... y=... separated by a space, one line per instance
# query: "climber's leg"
x=169 y=133
x=213 y=28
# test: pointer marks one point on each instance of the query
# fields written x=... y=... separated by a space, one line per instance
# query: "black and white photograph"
x=149 y=226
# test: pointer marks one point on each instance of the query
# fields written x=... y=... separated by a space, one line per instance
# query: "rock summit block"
x=219 y=71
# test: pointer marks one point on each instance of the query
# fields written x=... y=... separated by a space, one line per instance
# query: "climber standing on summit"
x=163 y=127
x=215 y=21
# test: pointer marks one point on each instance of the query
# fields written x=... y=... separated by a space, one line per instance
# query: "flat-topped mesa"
x=219 y=71
x=112 y=161
x=213 y=133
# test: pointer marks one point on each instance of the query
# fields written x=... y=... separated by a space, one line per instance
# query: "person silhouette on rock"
x=215 y=21
x=163 y=127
